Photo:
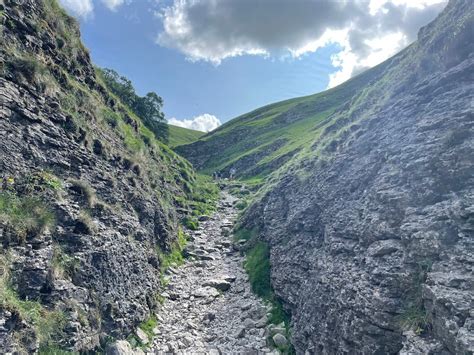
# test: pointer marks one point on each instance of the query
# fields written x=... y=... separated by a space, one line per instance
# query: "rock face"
x=372 y=230
x=64 y=140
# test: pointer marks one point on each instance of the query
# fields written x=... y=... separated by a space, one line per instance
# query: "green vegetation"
x=48 y=324
x=148 y=326
x=25 y=214
x=180 y=135
x=64 y=265
x=265 y=139
x=243 y=233
x=414 y=315
x=241 y=204
x=175 y=255
x=204 y=195
x=257 y=265
x=55 y=350
x=191 y=222
x=148 y=107
x=26 y=68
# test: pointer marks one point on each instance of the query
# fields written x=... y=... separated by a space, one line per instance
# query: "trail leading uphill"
x=209 y=307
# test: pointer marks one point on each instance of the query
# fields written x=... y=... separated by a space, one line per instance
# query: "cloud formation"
x=203 y=123
x=113 y=4
x=80 y=8
x=85 y=8
x=367 y=31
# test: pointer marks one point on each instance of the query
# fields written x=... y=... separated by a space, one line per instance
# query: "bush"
x=245 y=234
x=414 y=315
x=64 y=265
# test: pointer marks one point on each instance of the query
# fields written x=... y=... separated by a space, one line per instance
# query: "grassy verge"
x=175 y=256
x=257 y=265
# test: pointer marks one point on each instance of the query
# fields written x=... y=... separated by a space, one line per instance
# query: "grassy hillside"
x=261 y=141
x=181 y=136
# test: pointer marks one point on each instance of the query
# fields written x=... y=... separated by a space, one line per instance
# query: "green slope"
x=261 y=141
x=181 y=136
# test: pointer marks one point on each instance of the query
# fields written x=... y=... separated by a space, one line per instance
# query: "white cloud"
x=367 y=31
x=85 y=8
x=113 y=4
x=80 y=8
x=203 y=123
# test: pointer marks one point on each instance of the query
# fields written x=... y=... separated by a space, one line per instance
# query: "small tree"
x=148 y=108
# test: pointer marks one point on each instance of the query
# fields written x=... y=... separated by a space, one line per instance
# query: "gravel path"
x=209 y=307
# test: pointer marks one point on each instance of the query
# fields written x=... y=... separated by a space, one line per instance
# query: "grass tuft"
x=48 y=324
x=25 y=215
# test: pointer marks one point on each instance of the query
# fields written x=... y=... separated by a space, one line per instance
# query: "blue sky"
x=217 y=60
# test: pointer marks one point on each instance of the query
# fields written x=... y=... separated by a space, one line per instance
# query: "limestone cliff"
x=371 y=229
x=88 y=200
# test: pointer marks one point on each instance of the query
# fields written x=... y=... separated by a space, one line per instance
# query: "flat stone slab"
x=219 y=284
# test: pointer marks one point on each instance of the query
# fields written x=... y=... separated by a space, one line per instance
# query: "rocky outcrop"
x=372 y=230
x=70 y=150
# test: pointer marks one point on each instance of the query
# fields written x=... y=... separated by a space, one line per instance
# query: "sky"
x=213 y=60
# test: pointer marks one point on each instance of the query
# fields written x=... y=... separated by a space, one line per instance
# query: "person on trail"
x=232 y=173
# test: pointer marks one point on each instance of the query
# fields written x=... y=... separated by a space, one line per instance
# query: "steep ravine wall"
x=87 y=195
x=372 y=231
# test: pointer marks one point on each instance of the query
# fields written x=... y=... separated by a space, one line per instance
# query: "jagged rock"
x=221 y=285
x=261 y=323
x=122 y=347
x=142 y=336
x=248 y=323
x=241 y=333
x=279 y=340
x=229 y=278
x=246 y=306
x=97 y=262
x=383 y=220
x=206 y=292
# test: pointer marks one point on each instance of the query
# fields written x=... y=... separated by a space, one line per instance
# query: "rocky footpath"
x=372 y=230
x=208 y=305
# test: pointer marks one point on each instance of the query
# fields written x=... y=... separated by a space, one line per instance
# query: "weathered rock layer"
x=65 y=141
x=372 y=230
